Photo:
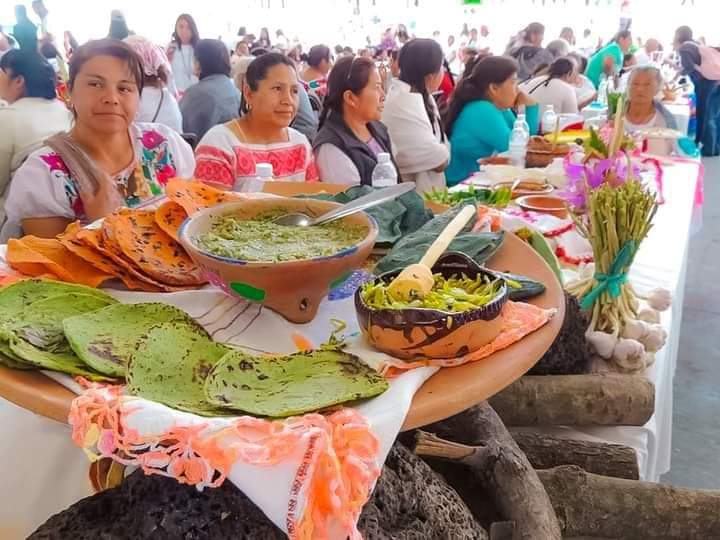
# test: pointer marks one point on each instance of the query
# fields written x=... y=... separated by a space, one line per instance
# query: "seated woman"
x=228 y=154
x=584 y=87
x=27 y=83
x=157 y=104
x=420 y=147
x=644 y=111
x=106 y=161
x=314 y=76
x=351 y=134
x=555 y=87
x=479 y=119
x=215 y=99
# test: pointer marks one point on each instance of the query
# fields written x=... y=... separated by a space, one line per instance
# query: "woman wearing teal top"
x=609 y=59
x=479 y=119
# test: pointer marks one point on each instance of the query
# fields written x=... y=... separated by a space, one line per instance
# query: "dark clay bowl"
x=420 y=333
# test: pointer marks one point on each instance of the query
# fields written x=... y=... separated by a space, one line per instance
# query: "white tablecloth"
x=661 y=262
x=681 y=112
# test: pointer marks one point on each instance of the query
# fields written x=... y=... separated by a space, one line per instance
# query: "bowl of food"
x=541 y=152
x=544 y=204
x=460 y=314
x=288 y=269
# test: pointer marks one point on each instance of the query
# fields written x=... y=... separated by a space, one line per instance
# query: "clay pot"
x=294 y=289
x=420 y=333
x=544 y=204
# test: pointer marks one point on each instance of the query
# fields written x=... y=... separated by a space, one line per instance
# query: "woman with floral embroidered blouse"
x=106 y=161
x=228 y=153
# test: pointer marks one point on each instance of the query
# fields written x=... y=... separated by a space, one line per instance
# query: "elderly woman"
x=106 y=160
x=644 y=111
x=157 y=104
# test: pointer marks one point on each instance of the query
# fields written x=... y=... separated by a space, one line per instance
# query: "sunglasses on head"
x=350 y=71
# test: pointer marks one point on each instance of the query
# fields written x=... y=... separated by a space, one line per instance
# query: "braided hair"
x=417 y=59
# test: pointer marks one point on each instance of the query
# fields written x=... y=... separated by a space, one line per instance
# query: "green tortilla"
x=14 y=298
x=35 y=335
x=290 y=385
x=171 y=364
x=106 y=340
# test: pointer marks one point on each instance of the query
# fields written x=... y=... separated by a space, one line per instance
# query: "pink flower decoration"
x=152 y=139
x=106 y=444
x=165 y=173
x=55 y=163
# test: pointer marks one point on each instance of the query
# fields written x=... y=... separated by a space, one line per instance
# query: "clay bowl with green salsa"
x=288 y=269
x=455 y=328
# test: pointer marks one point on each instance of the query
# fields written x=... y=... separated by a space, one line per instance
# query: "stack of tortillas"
x=139 y=247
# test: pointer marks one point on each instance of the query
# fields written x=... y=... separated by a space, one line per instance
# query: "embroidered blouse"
x=225 y=160
x=43 y=187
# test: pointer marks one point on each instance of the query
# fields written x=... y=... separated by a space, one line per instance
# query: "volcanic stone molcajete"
x=293 y=288
x=429 y=333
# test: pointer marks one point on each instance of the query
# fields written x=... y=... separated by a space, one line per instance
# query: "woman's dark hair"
x=465 y=32
x=49 y=50
x=628 y=57
x=338 y=49
x=317 y=54
x=38 y=75
x=490 y=70
x=622 y=34
x=582 y=62
x=107 y=47
x=472 y=62
x=118 y=27
x=195 y=35
x=419 y=58
x=560 y=68
x=258 y=69
x=212 y=57
x=533 y=29
x=264 y=35
x=349 y=73
x=683 y=34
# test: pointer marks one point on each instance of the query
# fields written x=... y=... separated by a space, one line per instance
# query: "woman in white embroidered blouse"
x=105 y=161
x=419 y=145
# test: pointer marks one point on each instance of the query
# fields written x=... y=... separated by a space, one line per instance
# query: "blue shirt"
x=481 y=130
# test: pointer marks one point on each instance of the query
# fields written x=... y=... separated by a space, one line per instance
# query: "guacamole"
x=261 y=240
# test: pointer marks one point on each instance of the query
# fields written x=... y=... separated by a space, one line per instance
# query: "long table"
x=661 y=262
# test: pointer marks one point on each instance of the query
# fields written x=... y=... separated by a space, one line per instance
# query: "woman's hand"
x=45 y=227
x=102 y=202
x=523 y=99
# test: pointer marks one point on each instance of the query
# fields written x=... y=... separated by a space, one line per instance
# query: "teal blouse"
x=481 y=130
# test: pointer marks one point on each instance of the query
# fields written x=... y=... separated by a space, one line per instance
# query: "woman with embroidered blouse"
x=228 y=153
x=106 y=161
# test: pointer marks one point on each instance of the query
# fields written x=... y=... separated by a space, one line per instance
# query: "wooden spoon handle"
x=442 y=242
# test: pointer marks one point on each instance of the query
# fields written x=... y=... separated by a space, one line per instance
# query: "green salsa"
x=261 y=240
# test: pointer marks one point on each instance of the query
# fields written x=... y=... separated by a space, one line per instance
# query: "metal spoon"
x=297 y=219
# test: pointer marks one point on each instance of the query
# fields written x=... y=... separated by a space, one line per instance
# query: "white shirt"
x=335 y=167
x=168 y=113
x=585 y=91
x=24 y=126
x=417 y=148
x=557 y=93
x=44 y=188
x=658 y=147
x=183 y=67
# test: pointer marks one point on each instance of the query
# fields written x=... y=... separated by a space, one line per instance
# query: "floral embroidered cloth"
x=43 y=186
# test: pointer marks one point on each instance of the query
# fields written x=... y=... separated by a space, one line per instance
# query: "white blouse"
x=559 y=94
x=165 y=112
x=44 y=187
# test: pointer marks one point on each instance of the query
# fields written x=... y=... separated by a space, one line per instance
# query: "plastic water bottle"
x=603 y=90
x=523 y=121
x=263 y=173
x=384 y=173
x=518 y=143
x=549 y=119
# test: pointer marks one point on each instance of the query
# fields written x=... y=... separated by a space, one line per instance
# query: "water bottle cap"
x=383 y=157
x=264 y=170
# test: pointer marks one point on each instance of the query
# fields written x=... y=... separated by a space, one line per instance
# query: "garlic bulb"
x=655 y=339
x=602 y=343
x=635 y=329
x=659 y=299
x=649 y=359
x=649 y=315
x=629 y=354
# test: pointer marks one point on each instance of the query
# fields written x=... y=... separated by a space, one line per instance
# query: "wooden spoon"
x=417 y=280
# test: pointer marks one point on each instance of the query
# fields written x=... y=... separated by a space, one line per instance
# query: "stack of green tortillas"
x=166 y=356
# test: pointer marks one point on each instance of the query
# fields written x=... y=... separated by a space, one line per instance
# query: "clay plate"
x=544 y=204
x=448 y=392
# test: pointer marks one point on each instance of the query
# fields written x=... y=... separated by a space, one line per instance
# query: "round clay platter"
x=448 y=392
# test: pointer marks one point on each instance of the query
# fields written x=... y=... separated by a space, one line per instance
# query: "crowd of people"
x=134 y=113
